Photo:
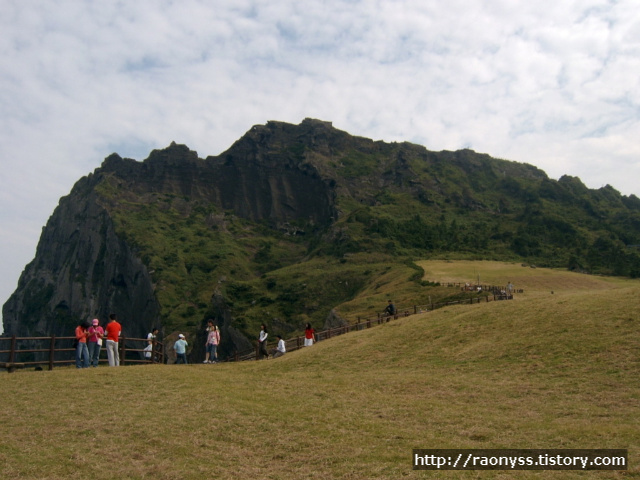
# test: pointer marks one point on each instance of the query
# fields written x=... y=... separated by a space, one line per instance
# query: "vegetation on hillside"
x=396 y=203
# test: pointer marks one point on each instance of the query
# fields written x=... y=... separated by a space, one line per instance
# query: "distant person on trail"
x=82 y=352
x=181 y=349
x=152 y=335
x=94 y=342
x=309 y=335
x=262 y=342
x=281 y=349
x=114 y=330
x=148 y=351
x=151 y=338
x=213 y=340
x=391 y=309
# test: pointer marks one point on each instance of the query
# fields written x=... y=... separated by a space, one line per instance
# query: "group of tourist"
x=89 y=340
x=280 y=349
x=213 y=341
x=211 y=345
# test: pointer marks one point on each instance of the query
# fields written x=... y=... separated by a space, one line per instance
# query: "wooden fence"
x=361 y=324
x=52 y=348
x=15 y=350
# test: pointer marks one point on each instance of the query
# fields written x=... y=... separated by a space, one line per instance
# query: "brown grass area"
x=532 y=280
x=559 y=371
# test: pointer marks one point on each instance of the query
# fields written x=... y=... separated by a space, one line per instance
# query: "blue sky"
x=552 y=83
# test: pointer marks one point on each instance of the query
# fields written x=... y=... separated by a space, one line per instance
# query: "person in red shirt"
x=309 y=335
x=113 y=330
x=82 y=352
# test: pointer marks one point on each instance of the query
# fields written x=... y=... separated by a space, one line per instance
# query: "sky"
x=552 y=83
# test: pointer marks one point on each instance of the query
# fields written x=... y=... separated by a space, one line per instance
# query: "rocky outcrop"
x=334 y=320
x=277 y=188
x=154 y=241
x=82 y=270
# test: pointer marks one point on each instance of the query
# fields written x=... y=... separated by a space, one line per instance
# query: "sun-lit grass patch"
x=542 y=371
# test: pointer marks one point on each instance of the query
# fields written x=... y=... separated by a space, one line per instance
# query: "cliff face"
x=269 y=230
x=81 y=270
x=84 y=268
x=245 y=180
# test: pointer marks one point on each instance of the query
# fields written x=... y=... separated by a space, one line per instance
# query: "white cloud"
x=554 y=84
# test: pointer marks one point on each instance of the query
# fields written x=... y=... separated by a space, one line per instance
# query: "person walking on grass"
x=181 y=349
x=82 y=352
x=114 y=330
x=94 y=342
x=262 y=342
x=309 y=335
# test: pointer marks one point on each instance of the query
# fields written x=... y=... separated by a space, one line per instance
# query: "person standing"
x=216 y=341
x=151 y=340
x=82 y=352
x=181 y=349
x=94 y=342
x=114 y=330
x=309 y=335
x=213 y=340
x=207 y=343
x=262 y=342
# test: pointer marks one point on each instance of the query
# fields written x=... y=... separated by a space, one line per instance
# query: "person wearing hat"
x=181 y=349
x=94 y=342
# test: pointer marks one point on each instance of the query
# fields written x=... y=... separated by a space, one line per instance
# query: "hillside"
x=542 y=371
x=293 y=222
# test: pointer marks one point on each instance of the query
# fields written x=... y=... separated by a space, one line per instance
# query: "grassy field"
x=546 y=370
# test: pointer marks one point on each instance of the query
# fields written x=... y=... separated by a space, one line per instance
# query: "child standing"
x=181 y=349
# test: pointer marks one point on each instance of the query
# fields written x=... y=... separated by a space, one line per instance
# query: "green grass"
x=542 y=371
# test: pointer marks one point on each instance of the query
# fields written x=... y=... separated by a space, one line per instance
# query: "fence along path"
x=19 y=345
x=53 y=347
x=498 y=293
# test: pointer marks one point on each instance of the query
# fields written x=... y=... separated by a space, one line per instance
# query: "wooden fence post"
x=123 y=351
x=12 y=353
x=52 y=351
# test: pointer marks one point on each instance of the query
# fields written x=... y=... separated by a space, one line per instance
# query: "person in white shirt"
x=151 y=337
x=280 y=349
x=262 y=342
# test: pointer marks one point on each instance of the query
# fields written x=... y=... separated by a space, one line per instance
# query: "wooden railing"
x=296 y=343
x=52 y=348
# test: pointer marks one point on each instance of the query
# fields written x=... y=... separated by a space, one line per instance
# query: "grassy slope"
x=542 y=371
